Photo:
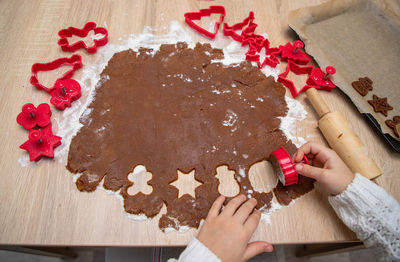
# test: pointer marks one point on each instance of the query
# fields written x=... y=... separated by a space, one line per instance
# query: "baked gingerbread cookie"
x=380 y=105
x=394 y=124
x=363 y=85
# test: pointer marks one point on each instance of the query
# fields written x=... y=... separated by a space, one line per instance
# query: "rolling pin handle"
x=317 y=102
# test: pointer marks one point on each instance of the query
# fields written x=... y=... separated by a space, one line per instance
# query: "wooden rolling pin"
x=342 y=139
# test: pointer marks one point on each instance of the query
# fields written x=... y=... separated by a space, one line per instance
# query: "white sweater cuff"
x=373 y=214
x=197 y=252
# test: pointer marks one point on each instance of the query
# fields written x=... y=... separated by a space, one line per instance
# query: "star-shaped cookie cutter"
x=41 y=143
x=271 y=54
x=64 y=34
x=298 y=70
x=214 y=9
x=75 y=61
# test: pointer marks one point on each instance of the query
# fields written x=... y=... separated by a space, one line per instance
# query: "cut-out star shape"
x=41 y=143
x=186 y=183
x=380 y=105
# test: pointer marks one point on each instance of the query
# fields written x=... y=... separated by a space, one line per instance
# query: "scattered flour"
x=295 y=114
x=69 y=123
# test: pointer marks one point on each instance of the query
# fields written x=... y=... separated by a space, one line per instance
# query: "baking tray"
x=360 y=38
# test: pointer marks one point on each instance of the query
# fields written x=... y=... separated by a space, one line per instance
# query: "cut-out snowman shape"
x=228 y=185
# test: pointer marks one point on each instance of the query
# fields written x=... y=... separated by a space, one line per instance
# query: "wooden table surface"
x=39 y=204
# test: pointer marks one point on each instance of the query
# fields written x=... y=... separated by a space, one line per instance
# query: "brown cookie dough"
x=380 y=105
x=177 y=110
x=393 y=123
x=363 y=85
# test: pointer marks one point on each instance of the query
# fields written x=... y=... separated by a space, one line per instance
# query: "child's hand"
x=227 y=233
x=325 y=166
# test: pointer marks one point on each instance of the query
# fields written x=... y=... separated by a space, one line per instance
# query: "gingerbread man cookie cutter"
x=64 y=34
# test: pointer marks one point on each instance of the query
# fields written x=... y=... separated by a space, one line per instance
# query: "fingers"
x=310 y=171
x=245 y=210
x=252 y=222
x=233 y=205
x=255 y=248
x=216 y=206
x=319 y=151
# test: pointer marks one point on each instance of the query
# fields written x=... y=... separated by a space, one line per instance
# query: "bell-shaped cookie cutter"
x=75 y=61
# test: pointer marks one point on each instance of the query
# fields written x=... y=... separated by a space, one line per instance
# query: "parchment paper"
x=360 y=38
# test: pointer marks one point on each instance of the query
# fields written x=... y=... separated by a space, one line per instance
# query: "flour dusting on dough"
x=295 y=114
x=69 y=123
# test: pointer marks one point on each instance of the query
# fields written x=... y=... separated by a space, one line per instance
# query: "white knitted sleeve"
x=196 y=252
x=372 y=214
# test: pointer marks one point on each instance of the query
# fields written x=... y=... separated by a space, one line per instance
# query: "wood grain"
x=41 y=205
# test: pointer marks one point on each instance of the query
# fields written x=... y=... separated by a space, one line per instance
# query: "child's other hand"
x=325 y=166
x=227 y=233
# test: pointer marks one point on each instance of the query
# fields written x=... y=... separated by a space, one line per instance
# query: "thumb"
x=255 y=248
x=310 y=171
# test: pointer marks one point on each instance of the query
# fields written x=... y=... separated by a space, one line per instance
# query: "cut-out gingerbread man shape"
x=140 y=178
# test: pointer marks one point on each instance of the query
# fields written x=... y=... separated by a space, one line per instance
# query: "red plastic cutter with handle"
x=284 y=166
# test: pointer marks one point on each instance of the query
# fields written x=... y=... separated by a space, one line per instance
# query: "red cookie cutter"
x=248 y=21
x=285 y=167
x=31 y=116
x=214 y=9
x=70 y=31
x=298 y=70
x=294 y=53
x=41 y=143
x=75 y=61
x=321 y=79
x=254 y=41
x=65 y=92
x=270 y=59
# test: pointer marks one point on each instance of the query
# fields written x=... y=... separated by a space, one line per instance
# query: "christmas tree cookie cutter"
x=214 y=9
